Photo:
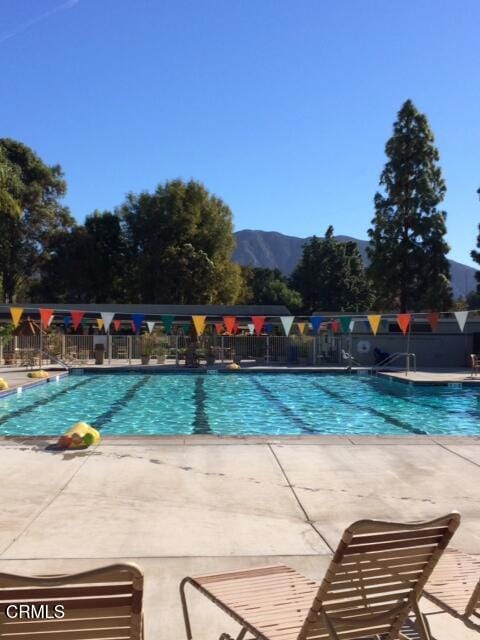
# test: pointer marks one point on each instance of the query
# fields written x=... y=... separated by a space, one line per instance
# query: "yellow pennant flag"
x=100 y=323
x=374 y=323
x=16 y=313
x=301 y=327
x=199 y=324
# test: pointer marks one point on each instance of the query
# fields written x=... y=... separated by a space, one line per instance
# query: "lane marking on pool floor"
x=44 y=401
x=120 y=404
x=376 y=412
x=200 y=421
x=282 y=407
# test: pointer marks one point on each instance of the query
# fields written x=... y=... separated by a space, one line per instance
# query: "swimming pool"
x=282 y=404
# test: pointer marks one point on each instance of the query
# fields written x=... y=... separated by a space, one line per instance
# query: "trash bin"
x=99 y=350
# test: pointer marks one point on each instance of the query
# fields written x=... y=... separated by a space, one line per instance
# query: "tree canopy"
x=268 y=287
x=409 y=267
x=330 y=276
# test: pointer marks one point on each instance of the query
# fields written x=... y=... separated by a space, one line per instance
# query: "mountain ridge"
x=277 y=250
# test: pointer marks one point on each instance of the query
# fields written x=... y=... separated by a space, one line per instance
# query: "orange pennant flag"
x=45 y=317
x=199 y=324
x=374 y=323
x=219 y=327
x=301 y=327
x=16 y=313
x=403 y=321
x=100 y=323
x=258 y=322
x=433 y=317
x=229 y=322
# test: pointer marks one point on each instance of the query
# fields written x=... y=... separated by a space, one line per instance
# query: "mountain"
x=276 y=250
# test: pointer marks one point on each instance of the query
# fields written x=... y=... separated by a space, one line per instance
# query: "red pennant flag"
x=403 y=321
x=235 y=327
x=219 y=327
x=45 y=317
x=117 y=324
x=336 y=326
x=258 y=322
x=433 y=317
x=77 y=317
x=229 y=322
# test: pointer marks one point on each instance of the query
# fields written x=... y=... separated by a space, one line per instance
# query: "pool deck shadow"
x=179 y=506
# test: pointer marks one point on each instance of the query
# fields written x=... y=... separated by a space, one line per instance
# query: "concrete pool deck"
x=180 y=506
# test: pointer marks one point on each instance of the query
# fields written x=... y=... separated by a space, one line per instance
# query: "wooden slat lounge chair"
x=455 y=586
x=372 y=585
x=102 y=603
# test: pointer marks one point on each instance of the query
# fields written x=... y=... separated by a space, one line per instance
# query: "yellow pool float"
x=38 y=374
x=3 y=384
x=80 y=435
x=233 y=365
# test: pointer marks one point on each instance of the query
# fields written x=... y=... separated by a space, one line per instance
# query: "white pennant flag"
x=287 y=322
x=461 y=317
x=107 y=317
x=251 y=328
x=351 y=325
x=150 y=326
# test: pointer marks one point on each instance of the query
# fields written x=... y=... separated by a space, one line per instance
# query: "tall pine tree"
x=409 y=267
x=476 y=254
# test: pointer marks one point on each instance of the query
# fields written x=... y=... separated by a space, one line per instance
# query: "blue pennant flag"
x=316 y=322
x=268 y=328
x=67 y=320
x=137 y=319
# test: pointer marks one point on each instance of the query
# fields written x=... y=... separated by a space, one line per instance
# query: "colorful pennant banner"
x=251 y=328
x=433 y=317
x=46 y=316
x=137 y=319
x=374 y=323
x=403 y=321
x=301 y=327
x=258 y=322
x=150 y=325
x=77 y=317
x=229 y=322
x=268 y=328
x=100 y=323
x=218 y=328
x=167 y=322
x=199 y=324
x=117 y=324
x=16 y=313
x=461 y=318
x=67 y=321
x=316 y=322
x=345 y=323
x=107 y=317
x=287 y=322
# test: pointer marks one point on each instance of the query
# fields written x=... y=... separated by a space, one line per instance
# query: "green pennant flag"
x=167 y=322
x=345 y=323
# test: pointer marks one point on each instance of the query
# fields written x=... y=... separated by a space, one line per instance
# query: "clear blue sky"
x=281 y=108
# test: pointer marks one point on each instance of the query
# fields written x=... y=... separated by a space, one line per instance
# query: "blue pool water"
x=250 y=404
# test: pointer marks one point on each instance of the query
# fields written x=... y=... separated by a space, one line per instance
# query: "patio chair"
x=475 y=360
x=102 y=603
x=371 y=587
x=455 y=586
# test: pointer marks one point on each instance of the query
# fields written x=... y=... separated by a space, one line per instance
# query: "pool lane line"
x=265 y=391
x=376 y=412
x=43 y=401
x=119 y=404
x=200 y=421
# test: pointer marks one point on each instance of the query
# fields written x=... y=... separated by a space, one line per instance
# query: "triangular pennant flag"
x=100 y=323
x=316 y=322
x=258 y=322
x=150 y=325
x=137 y=319
x=16 y=313
x=433 y=317
x=335 y=326
x=199 y=324
x=374 y=323
x=46 y=316
x=251 y=328
x=403 y=321
x=67 y=321
x=107 y=317
x=345 y=323
x=167 y=322
x=77 y=317
x=236 y=327
x=229 y=322
x=461 y=317
x=268 y=327
x=352 y=325
x=218 y=327
x=287 y=322
x=117 y=324
x=301 y=327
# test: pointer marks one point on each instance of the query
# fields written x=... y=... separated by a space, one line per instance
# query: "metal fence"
x=24 y=350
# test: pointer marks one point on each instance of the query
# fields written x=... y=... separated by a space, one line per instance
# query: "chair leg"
x=421 y=624
x=186 y=619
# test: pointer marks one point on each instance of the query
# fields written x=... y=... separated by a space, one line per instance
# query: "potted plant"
x=161 y=352
x=146 y=350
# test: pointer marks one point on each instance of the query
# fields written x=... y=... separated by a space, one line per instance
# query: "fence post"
x=109 y=346
x=267 y=355
x=176 y=350
x=1 y=349
x=222 y=352
x=129 y=349
x=315 y=338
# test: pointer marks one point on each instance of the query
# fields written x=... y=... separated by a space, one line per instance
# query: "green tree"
x=476 y=254
x=268 y=286
x=87 y=263
x=330 y=276
x=27 y=225
x=407 y=250
x=180 y=241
